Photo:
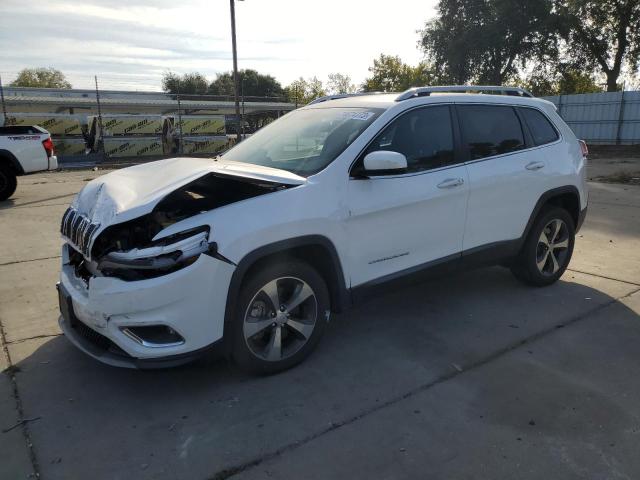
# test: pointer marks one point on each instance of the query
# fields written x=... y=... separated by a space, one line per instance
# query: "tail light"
x=48 y=147
x=584 y=148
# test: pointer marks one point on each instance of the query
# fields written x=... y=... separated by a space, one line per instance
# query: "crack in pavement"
x=29 y=260
x=36 y=337
x=235 y=470
x=612 y=204
x=57 y=197
x=43 y=205
x=604 y=276
x=11 y=372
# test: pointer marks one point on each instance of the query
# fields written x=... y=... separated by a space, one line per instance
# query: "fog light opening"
x=154 y=336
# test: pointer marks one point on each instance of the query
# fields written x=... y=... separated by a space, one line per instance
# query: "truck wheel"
x=282 y=313
x=8 y=182
x=547 y=250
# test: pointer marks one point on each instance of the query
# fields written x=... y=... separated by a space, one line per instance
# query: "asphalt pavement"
x=467 y=376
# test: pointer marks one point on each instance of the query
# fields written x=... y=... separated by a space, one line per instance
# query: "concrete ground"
x=470 y=376
x=607 y=166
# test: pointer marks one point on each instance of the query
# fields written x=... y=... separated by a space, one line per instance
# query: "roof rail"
x=338 y=96
x=491 y=89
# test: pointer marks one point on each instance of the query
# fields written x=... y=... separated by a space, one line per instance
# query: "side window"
x=489 y=130
x=423 y=135
x=541 y=129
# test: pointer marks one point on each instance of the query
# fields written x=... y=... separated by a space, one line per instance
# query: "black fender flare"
x=544 y=198
x=340 y=295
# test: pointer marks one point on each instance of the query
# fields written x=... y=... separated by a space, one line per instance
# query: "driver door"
x=400 y=221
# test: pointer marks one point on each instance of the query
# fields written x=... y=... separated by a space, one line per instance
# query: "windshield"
x=304 y=141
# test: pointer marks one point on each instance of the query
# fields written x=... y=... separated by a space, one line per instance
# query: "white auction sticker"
x=364 y=116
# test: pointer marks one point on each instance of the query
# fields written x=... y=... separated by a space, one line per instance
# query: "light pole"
x=232 y=4
x=242 y=117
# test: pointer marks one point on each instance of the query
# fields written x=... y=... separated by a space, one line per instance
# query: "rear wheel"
x=547 y=250
x=8 y=182
x=282 y=313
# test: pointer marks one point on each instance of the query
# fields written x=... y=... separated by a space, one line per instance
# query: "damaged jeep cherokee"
x=253 y=250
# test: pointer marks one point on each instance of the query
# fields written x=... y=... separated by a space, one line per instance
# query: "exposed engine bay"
x=127 y=250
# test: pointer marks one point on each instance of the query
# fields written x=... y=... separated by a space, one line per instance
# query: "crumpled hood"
x=134 y=191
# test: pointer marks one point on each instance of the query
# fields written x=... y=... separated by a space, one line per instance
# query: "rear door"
x=505 y=178
x=404 y=220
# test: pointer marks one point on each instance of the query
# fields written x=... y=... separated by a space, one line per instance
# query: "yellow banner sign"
x=132 y=146
x=204 y=144
x=201 y=124
x=130 y=124
x=69 y=146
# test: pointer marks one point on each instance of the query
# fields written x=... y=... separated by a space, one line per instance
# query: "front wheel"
x=8 y=182
x=547 y=250
x=281 y=315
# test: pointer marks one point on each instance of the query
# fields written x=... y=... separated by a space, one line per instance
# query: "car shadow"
x=208 y=415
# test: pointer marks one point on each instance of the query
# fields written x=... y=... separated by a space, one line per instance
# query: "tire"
x=8 y=182
x=540 y=264
x=270 y=338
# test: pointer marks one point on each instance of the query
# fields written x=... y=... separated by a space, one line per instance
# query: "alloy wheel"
x=553 y=247
x=280 y=319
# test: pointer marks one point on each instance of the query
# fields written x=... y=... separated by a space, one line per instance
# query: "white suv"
x=254 y=249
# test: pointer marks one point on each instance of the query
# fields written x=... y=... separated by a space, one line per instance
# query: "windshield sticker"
x=364 y=116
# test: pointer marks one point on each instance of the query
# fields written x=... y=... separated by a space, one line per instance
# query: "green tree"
x=338 y=83
x=541 y=82
x=295 y=91
x=303 y=91
x=41 y=78
x=563 y=80
x=576 y=81
x=603 y=34
x=252 y=83
x=390 y=74
x=485 y=41
x=315 y=88
x=188 y=84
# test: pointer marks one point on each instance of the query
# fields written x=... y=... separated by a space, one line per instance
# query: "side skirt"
x=485 y=255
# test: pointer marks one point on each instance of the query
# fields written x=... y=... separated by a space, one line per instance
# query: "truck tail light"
x=48 y=147
x=584 y=148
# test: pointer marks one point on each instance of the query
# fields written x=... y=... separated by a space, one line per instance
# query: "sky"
x=129 y=44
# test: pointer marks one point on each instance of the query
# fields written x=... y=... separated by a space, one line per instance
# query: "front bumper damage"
x=99 y=314
x=140 y=283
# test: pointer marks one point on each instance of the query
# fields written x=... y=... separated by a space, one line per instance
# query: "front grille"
x=100 y=341
x=92 y=336
x=78 y=229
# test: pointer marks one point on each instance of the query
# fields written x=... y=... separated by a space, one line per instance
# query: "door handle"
x=534 y=165
x=451 y=182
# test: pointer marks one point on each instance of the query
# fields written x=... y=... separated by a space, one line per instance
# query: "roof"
x=387 y=101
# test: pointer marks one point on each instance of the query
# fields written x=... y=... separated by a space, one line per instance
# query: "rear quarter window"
x=489 y=130
x=541 y=129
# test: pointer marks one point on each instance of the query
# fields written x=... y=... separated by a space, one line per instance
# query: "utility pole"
x=232 y=4
x=181 y=125
x=101 y=137
x=242 y=116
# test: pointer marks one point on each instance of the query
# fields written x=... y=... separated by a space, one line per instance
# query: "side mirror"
x=384 y=160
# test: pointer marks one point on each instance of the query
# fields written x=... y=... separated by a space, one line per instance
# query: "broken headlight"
x=159 y=258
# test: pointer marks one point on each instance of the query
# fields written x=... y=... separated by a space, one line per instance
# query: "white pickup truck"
x=23 y=149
